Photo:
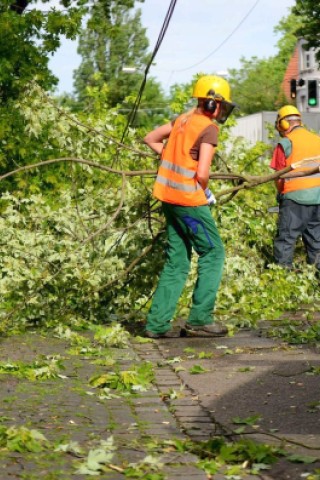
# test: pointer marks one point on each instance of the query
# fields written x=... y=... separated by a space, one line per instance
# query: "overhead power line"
x=154 y=53
x=224 y=41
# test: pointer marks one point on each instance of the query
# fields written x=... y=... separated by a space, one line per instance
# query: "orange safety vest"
x=176 y=181
x=305 y=145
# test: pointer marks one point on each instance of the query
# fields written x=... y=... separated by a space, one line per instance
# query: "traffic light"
x=312 y=93
x=293 y=88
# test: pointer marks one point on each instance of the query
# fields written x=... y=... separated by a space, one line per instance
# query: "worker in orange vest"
x=187 y=146
x=299 y=197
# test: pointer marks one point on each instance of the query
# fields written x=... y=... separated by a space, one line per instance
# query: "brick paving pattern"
x=247 y=375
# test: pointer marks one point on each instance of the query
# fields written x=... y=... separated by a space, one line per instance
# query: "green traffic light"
x=312 y=102
x=312 y=93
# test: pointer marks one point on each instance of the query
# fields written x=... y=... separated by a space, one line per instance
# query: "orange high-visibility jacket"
x=176 y=181
x=305 y=145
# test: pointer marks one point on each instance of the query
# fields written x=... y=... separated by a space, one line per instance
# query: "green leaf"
x=239 y=430
x=71 y=447
x=205 y=355
x=189 y=350
x=257 y=467
x=211 y=467
x=247 y=421
x=114 y=336
x=98 y=459
x=179 y=369
x=246 y=369
x=21 y=439
x=140 y=377
x=139 y=339
x=302 y=459
x=197 y=369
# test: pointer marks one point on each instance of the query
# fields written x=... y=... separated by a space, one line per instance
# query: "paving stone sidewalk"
x=63 y=409
x=251 y=375
x=247 y=374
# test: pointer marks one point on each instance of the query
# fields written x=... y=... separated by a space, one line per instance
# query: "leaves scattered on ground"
x=38 y=370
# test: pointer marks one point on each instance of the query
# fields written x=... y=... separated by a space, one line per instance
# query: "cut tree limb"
x=244 y=181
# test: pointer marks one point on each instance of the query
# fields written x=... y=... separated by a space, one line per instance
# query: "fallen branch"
x=246 y=181
x=293 y=174
x=113 y=217
x=90 y=163
x=132 y=264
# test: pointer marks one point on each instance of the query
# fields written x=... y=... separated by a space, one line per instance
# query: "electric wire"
x=224 y=41
x=162 y=33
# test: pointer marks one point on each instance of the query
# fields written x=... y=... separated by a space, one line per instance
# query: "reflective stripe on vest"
x=176 y=181
x=176 y=168
x=305 y=145
x=178 y=186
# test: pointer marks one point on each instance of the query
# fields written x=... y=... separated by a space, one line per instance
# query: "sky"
x=204 y=36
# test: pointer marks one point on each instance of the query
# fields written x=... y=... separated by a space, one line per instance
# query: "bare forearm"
x=205 y=156
x=203 y=180
x=155 y=139
x=155 y=146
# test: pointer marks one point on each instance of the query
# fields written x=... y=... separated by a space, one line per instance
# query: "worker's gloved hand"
x=210 y=197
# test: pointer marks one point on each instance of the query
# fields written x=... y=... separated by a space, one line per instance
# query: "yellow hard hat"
x=282 y=123
x=212 y=86
x=287 y=111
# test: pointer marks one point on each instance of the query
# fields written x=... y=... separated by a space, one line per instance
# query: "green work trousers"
x=188 y=228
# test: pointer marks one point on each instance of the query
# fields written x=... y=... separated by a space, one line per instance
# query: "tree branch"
x=19 y=6
x=94 y=130
x=113 y=217
x=135 y=262
x=246 y=181
x=133 y=173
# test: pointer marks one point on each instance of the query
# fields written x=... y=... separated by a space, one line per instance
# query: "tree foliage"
x=99 y=238
x=112 y=40
x=287 y=29
x=257 y=84
x=30 y=31
x=86 y=244
x=28 y=35
x=308 y=12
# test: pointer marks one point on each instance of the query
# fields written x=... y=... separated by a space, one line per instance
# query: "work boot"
x=210 y=330
x=168 y=334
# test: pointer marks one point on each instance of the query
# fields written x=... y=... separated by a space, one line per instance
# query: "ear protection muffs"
x=210 y=105
x=284 y=125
